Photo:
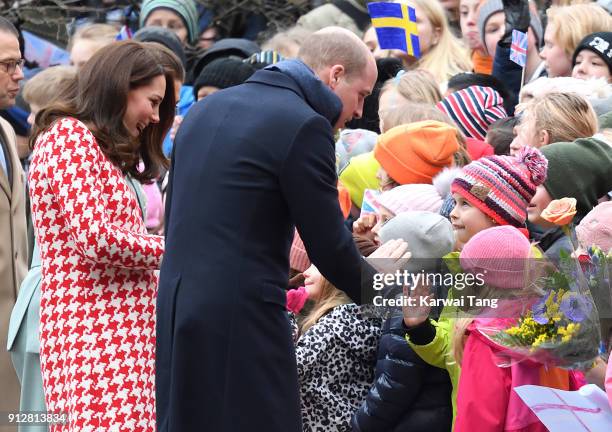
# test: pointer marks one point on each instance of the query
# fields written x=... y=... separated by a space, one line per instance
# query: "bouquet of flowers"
x=561 y=327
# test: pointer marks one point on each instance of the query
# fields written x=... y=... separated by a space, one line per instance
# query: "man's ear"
x=335 y=73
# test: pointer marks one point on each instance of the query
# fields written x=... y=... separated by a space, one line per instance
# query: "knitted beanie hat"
x=493 y=6
x=359 y=175
x=227 y=47
x=223 y=73
x=416 y=152
x=298 y=258
x=600 y=43
x=502 y=186
x=411 y=197
x=581 y=169
x=186 y=9
x=474 y=109
x=165 y=37
x=353 y=142
x=596 y=228
x=499 y=254
x=428 y=235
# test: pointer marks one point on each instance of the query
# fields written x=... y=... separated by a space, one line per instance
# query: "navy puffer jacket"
x=408 y=394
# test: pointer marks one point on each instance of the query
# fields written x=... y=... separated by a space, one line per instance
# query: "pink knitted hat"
x=596 y=228
x=411 y=197
x=298 y=259
x=499 y=254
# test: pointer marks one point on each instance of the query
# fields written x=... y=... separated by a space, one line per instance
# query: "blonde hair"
x=416 y=85
x=565 y=116
x=46 y=86
x=282 y=41
x=448 y=57
x=101 y=34
x=329 y=298
x=576 y=21
x=412 y=112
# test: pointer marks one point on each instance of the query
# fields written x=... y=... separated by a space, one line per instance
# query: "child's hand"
x=417 y=311
x=363 y=226
x=175 y=125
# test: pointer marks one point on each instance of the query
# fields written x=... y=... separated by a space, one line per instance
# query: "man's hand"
x=391 y=256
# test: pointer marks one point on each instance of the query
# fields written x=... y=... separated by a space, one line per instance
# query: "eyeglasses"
x=10 y=66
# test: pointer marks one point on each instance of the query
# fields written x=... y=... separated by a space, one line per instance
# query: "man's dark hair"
x=7 y=27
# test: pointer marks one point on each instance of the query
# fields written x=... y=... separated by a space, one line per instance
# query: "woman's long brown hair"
x=98 y=97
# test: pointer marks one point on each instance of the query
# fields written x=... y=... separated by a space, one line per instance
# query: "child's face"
x=386 y=183
x=313 y=281
x=558 y=62
x=538 y=203
x=467 y=220
x=526 y=134
x=383 y=216
x=33 y=111
x=590 y=65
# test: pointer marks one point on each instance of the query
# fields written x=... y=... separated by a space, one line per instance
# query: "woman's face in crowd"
x=166 y=18
x=526 y=134
x=493 y=31
x=468 y=18
x=467 y=220
x=428 y=35
x=558 y=62
x=538 y=203
x=590 y=65
x=143 y=105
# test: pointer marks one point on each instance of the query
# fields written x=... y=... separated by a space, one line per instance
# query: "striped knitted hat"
x=502 y=186
x=473 y=109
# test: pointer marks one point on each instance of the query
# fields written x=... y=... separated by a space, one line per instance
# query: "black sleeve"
x=309 y=183
x=398 y=384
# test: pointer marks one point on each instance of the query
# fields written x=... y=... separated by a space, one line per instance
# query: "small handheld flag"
x=369 y=204
x=124 y=34
x=518 y=49
x=396 y=27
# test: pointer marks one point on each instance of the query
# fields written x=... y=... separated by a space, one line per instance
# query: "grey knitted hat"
x=429 y=236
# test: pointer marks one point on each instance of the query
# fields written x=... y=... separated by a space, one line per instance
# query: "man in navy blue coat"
x=251 y=162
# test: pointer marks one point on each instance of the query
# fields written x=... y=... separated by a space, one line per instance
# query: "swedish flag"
x=396 y=27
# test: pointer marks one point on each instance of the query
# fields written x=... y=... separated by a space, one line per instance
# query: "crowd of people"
x=192 y=226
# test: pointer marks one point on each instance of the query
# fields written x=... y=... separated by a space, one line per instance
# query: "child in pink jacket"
x=486 y=401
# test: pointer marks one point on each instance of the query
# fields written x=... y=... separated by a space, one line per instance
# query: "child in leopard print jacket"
x=336 y=353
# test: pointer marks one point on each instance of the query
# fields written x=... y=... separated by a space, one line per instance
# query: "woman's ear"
x=435 y=37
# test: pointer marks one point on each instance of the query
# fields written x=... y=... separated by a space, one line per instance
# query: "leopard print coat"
x=336 y=359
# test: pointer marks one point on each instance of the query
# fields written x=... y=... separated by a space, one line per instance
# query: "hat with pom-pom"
x=502 y=186
x=499 y=255
x=596 y=228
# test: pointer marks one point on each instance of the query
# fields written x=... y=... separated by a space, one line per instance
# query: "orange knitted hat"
x=416 y=152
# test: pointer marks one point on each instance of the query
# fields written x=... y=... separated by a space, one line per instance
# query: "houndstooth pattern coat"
x=97 y=312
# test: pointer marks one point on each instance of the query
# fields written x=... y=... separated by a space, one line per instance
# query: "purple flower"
x=575 y=306
x=539 y=311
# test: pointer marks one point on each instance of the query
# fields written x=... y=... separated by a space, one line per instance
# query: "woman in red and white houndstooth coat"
x=99 y=284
